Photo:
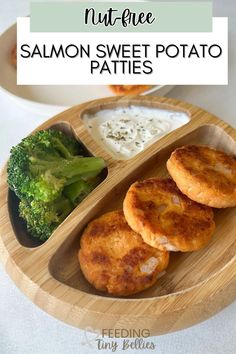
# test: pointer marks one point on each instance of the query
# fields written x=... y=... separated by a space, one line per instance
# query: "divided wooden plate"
x=195 y=286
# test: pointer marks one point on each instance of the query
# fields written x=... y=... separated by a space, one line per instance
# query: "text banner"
x=112 y=58
x=121 y=17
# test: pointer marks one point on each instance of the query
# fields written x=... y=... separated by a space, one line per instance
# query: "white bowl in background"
x=49 y=99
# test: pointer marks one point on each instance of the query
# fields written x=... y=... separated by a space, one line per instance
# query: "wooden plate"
x=195 y=286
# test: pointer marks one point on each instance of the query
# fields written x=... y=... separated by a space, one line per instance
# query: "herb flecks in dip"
x=126 y=131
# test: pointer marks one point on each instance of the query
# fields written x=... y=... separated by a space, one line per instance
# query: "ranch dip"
x=125 y=131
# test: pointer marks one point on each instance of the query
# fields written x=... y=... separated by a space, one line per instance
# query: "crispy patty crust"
x=114 y=258
x=205 y=175
x=166 y=218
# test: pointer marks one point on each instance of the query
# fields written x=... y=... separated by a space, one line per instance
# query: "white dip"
x=125 y=131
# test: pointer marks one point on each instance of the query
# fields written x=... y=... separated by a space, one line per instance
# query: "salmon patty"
x=129 y=89
x=166 y=218
x=114 y=258
x=205 y=175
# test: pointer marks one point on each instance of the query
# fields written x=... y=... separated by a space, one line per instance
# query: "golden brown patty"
x=166 y=218
x=205 y=175
x=129 y=89
x=115 y=259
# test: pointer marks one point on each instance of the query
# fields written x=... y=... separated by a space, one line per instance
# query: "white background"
x=25 y=329
x=166 y=70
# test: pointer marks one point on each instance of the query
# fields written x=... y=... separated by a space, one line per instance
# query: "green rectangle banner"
x=113 y=16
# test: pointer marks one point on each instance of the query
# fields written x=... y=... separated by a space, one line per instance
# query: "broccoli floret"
x=42 y=164
x=77 y=191
x=50 y=175
x=55 y=142
x=42 y=218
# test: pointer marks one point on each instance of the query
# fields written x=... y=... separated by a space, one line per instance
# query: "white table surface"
x=24 y=328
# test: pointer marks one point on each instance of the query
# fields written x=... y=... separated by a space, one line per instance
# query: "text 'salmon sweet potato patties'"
x=115 y=259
